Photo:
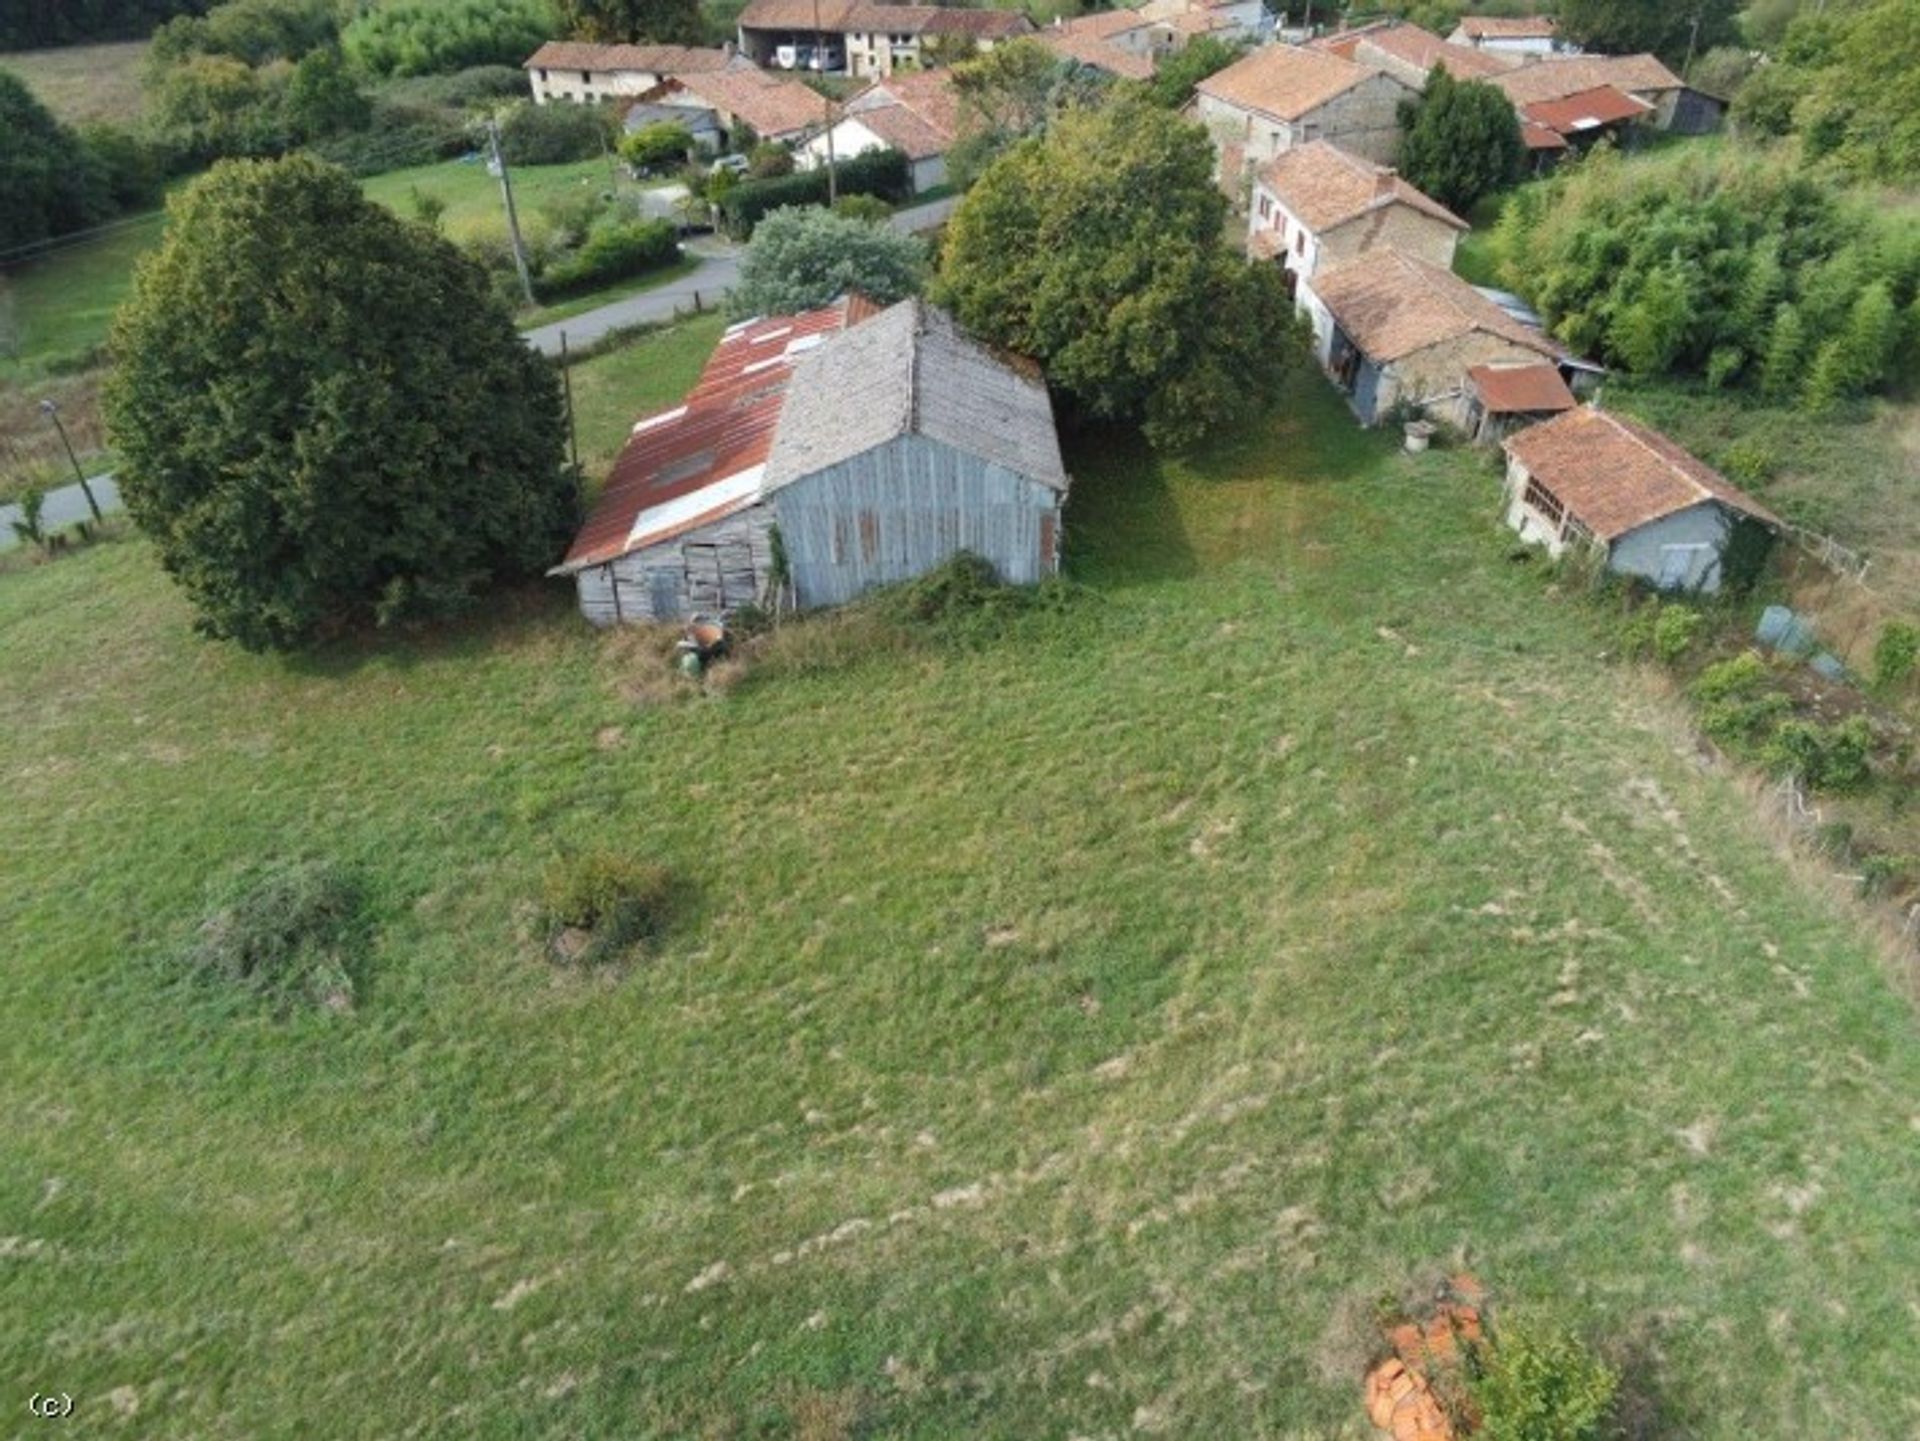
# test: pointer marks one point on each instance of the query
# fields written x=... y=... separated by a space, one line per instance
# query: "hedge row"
x=882 y=173
x=610 y=252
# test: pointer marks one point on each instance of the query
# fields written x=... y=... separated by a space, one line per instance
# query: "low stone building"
x=1282 y=96
x=1675 y=107
x=576 y=71
x=1393 y=331
x=1656 y=512
x=1506 y=398
x=821 y=455
x=1410 y=54
x=1317 y=205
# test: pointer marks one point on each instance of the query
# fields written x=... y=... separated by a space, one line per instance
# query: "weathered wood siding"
x=898 y=510
x=712 y=570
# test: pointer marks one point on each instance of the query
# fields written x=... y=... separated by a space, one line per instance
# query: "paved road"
x=64 y=506
x=719 y=268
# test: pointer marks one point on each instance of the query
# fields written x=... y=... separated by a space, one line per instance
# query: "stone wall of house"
x=1364 y=120
x=1436 y=378
x=552 y=83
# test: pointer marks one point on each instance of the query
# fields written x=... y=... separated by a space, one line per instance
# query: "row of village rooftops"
x=1347 y=87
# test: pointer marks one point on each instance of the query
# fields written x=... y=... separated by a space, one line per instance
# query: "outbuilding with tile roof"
x=1394 y=330
x=1657 y=512
x=1282 y=96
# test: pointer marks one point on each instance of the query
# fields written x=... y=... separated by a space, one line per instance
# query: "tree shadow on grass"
x=1122 y=522
x=497 y=616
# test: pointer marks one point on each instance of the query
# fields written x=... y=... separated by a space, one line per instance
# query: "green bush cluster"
x=612 y=250
x=1836 y=758
x=612 y=900
x=427 y=37
x=1737 y=708
x=1724 y=263
x=1538 y=1384
x=553 y=134
x=880 y=172
x=291 y=933
x=1741 y=710
x=1664 y=631
x=1896 y=653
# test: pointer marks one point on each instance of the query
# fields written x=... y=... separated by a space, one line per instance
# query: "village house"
x=774 y=107
x=1409 y=53
x=862 y=446
x=1231 y=19
x=1394 y=331
x=1676 y=106
x=1317 y=205
x=1083 y=47
x=1504 y=398
x=916 y=114
x=868 y=39
x=1554 y=129
x=1525 y=37
x=1124 y=29
x=1281 y=96
x=573 y=70
x=1590 y=477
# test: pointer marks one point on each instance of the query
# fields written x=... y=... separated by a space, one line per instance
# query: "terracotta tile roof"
x=926 y=96
x=1391 y=305
x=1557 y=78
x=1285 y=81
x=1192 y=23
x=684 y=467
x=1501 y=27
x=773 y=105
x=1325 y=186
x=982 y=24
x=1615 y=476
x=1585 y=110
x=1421 y=50
x=1100 y=54
x=900 y=129
x=1521 y=389
x=795 y=14
x=656 y=59
x=1102 y=24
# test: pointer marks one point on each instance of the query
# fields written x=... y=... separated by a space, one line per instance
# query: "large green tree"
x=802 y=257
x=45 y=186
x=632 y=21
x=1460 y=140
x=1096 y=250
x=1672 y=29
x=323 y=419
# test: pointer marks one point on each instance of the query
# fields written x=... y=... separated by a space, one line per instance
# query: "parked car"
x=821 y=58
x=738 y=164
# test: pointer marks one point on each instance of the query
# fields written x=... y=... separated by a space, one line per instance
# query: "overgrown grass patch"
x=1063 y=1036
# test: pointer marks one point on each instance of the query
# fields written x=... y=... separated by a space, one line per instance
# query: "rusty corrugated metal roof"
x=1521 y=389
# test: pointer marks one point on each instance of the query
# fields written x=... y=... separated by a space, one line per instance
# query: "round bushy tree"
x=322 y=417
x=802 y=257
x=43 y=173
x=1461 y=141
x=1096 y=250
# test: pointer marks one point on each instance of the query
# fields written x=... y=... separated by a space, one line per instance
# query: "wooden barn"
x=862 y=445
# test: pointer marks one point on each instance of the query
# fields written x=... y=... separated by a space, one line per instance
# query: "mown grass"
x=1068 y=1035
x=81 y=83
x=615 y=388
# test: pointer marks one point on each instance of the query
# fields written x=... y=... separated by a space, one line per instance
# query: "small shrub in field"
x=1533 y=1384
x=1736 y=708
x=863 y=207
x=1896 y=653
x=1674 y=631
x=290 y=933
x=1829 y=758
x=600 y=903
x=1748 y=462
x=965 y=599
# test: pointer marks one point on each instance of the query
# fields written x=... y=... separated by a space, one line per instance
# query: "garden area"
x=1084 y=1016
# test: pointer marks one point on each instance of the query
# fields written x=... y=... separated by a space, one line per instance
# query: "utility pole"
x=51 y=410
x=566 y=383
x=833 y=173
x=1693 y=39
x=513 y=220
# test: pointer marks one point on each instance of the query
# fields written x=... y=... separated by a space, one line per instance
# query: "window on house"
x=1266 y=208
x=1544 y=502
x=1300 y=243
x=1577 y=533
x=586 y=77
x=543 y=74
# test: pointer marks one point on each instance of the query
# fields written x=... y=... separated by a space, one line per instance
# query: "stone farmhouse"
x=1317 y=205
x=1283 y=96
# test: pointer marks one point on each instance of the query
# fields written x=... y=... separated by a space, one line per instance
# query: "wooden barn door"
x=720 y=575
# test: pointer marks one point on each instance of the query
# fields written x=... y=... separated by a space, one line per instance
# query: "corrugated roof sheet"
x=1586 y=110
x=1615 y=476
x=1391 y=305
x=1521 y=389
x=910 y=370
x=1285 y=81
x=1325 y=186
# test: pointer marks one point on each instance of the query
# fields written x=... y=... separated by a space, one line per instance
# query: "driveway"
x=719 y=268
x=64 y=506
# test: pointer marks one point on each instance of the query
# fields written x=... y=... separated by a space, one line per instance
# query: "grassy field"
x=79 y=83
x=61 y=307
x=1069 y=1034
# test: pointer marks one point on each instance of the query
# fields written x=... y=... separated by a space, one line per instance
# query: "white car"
x=738 y=164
